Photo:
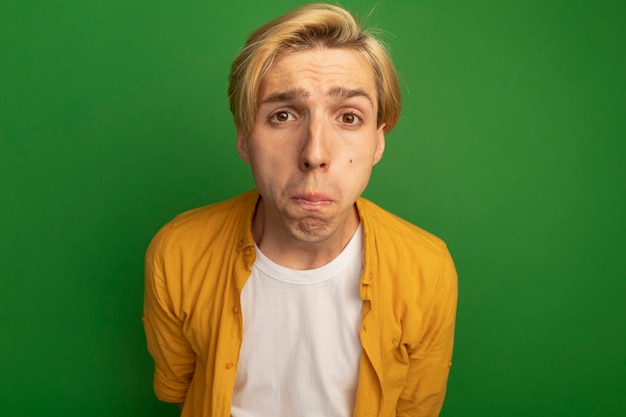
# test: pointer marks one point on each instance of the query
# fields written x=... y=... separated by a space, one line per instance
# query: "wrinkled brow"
x=302 y=94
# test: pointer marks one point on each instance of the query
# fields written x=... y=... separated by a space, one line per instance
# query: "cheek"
x=359 y=158
x=264 y=156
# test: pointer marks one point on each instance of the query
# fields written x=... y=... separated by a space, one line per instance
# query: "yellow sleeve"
x=425 y=388
x=173 y=356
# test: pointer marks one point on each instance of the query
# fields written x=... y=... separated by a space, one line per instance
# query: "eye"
x=281 y=117
x=349 y=118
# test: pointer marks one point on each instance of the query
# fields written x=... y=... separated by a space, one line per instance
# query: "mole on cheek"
x=351 y=161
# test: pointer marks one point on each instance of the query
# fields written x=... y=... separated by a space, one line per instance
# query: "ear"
x=380 y=147
x=242 y=146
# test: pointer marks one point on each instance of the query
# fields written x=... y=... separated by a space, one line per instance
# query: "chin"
x=311 y=230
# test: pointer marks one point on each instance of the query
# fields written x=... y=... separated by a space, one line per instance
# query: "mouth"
x=312 y=201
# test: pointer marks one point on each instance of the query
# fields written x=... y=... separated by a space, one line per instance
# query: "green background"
x=511 y=147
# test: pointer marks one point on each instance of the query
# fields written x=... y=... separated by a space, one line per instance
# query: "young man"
x=300 y=298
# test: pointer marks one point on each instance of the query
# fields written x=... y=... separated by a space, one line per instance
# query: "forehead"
x=319 y=70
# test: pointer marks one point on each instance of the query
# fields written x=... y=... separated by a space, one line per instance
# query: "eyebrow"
x=302 y=94
x=343 y=92
x=289 y=95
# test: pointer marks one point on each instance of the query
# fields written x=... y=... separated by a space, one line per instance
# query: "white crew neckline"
x=311 y=276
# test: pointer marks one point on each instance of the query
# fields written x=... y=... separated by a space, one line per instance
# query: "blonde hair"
x=313 y=25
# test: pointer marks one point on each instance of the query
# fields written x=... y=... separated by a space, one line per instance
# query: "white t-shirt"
x=301 y=348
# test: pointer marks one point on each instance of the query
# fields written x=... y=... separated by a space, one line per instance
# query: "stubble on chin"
x=311 y=230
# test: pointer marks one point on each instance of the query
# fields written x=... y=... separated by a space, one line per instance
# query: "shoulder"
x=202 y=225
x=406 y=262
x=393 y=231
x=213 y=213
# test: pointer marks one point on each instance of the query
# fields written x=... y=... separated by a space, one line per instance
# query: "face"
x=314 y=143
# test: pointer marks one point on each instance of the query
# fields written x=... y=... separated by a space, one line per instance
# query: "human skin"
x=312 y=148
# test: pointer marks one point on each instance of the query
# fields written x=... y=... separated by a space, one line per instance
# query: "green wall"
x=512 y=146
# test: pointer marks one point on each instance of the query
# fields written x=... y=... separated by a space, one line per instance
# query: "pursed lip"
x=312 y=201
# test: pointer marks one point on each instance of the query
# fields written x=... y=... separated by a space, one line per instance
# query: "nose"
x=316 y=146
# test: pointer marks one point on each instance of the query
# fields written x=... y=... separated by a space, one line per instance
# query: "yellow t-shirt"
x=197 y=265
